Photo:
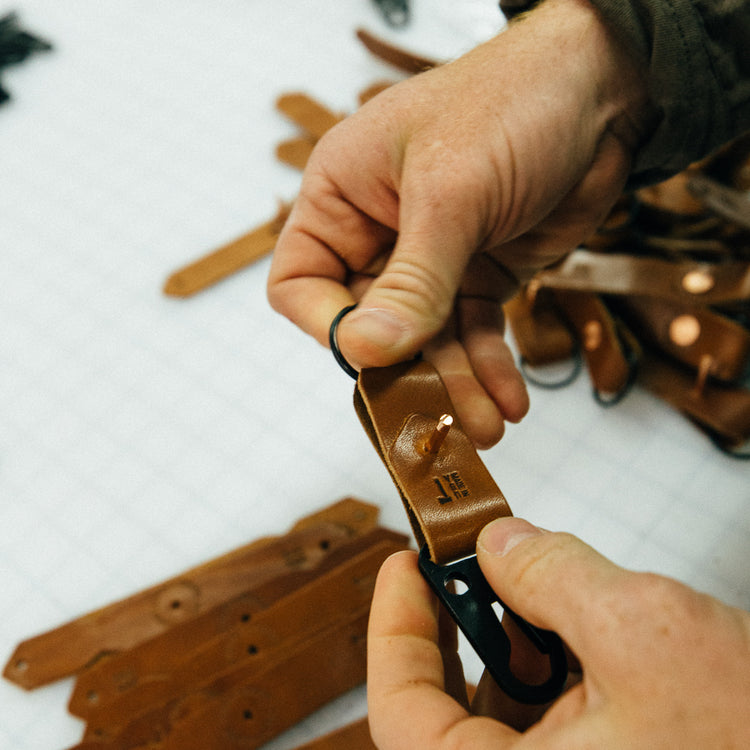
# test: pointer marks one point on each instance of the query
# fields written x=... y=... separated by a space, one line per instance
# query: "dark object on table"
x=16 y=45
x=395 y=12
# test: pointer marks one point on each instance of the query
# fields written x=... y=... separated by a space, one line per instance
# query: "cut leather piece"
x=673 y=196
x=308 y=113
x=731 y=204
x=722 y=410
x=228 y=259
x=122 y=625
x=243 y=708
x=609 y=361
x=688 y=282
x=449 y=496
x=399 y=58
x=541 y=334
x=692 y=335
x=296 y=151
x=167 y=667
x=371 y=91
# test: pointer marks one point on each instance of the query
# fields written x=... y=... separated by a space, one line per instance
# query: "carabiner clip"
x=473 y=612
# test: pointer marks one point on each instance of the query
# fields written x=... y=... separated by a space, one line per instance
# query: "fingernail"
x=379 y=327
x=500 y=536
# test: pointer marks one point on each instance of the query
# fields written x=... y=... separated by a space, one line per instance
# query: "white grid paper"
x=141 y=435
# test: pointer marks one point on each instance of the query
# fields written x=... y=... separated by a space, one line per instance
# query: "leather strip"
x=693 y=335
x=228 y=259
x=312 y=116
x=721 y=409
x=610 y=364
x=166 y=667
x=449 y=496
x=243 y=708
x=729 y=203
x=540 y=333
x=402 y=59
x=122 y=625
x=687 y=282
x=296 y=151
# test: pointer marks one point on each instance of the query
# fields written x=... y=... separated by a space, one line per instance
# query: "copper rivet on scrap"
x=438 y=434
x=592 y=335
x=684 y=330
x=698 y=282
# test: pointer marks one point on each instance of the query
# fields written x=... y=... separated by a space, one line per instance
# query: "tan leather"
x=601 y=343
x=183 y=665
x=310 y=114
x=371 y=91
x=687 y=282
x=449 y=496
x=228 y=259
x=673 y=196
x=693 y=335
x=161 y=668
x=721 y=409
x=538 y=328
x=123 y=625
x=296 y=151
x=243 y=707
x=273 y=631
x=402 y=59
x=731 y=204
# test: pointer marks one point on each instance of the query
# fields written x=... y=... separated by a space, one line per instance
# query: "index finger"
x=326 y=237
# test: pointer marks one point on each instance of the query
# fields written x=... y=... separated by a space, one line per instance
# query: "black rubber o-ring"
x=334 y=344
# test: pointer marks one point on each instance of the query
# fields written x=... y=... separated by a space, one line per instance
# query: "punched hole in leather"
x=449 y=496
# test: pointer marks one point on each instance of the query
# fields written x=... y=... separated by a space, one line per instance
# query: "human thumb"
x=553 y=580
x=405 y=307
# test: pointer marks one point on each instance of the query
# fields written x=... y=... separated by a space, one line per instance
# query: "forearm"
x=697 y=65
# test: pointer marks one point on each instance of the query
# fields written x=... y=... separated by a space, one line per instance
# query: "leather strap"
x=728 y=202
x=722 y=410
x=243 y=708
x=540 y=333
x=697 y=336
x=312 y=116
x=182 y=666
x=296 y=151
x=123 y=625
x=164 y=667
x=399 y=58
x=687 y=282
x=449 y=496
x=606 y=347
x=228 y=259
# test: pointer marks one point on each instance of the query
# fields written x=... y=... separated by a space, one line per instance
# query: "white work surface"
x=141 y=435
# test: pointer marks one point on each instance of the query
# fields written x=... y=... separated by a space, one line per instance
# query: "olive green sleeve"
x=697 y=54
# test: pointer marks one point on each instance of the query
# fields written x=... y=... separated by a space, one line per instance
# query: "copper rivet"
x=592 y=335
x=438 y=434
x=684 y=330
x=698 y=282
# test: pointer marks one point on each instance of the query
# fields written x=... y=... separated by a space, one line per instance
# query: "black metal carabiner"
x=474 y=614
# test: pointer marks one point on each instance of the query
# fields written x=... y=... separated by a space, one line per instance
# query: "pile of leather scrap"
x=230 y=653
x=660 y=295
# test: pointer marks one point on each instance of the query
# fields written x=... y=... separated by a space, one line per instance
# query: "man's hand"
x=434 y=201
x=663 y=666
